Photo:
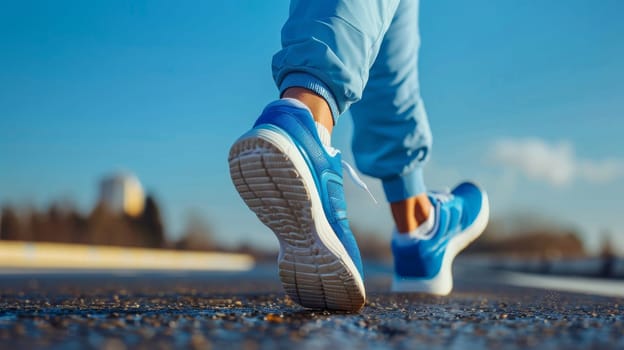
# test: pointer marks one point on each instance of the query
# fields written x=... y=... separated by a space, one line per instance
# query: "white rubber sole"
x=442 y=283
x=275 y=182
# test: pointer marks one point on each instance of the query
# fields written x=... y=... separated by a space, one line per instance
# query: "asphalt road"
x=248 y=310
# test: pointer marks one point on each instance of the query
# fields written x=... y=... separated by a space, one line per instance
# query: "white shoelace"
x=352 y=173
x=356 y=179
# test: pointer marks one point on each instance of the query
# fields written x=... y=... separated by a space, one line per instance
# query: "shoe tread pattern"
x=269 y=183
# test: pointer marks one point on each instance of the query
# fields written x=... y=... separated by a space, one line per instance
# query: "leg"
x=284 y=168
x=392 y=139
x=318 y=106
x=329 y=47
x=411 y=213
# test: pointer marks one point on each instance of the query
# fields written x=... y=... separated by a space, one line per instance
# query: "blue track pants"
x=362 y=56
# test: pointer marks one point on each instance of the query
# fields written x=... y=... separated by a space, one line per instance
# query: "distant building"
x=123 y=193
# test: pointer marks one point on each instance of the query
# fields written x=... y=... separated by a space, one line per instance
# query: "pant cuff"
x=404 y=186
x=310 y=82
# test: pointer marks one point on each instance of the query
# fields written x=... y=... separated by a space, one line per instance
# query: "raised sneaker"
x=423 y=259
x=293 y=183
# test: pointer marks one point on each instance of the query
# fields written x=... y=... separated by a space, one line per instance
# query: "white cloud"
x=604 y=171
x=555 y=163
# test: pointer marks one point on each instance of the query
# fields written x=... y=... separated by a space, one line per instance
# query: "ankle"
x=410 y=213
x=317 y=105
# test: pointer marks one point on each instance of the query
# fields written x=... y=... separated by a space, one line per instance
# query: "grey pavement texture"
x=169 y=310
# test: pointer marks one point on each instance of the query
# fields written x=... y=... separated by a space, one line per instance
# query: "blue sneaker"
x=424 y=264
x=294 y=185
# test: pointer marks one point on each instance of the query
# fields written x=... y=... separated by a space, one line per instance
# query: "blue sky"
x=525 y=97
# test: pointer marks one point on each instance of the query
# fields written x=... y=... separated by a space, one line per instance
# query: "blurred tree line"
x=61 y=222
x=543 y=241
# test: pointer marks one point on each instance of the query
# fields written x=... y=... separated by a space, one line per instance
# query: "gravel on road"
x=204 y=311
